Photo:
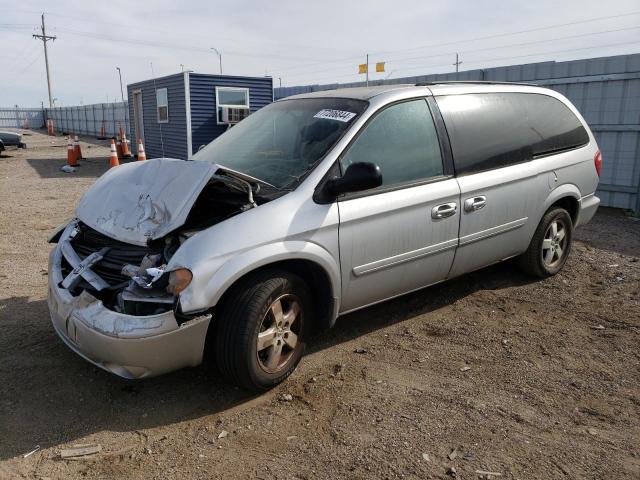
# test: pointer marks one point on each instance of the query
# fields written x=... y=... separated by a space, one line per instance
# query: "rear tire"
x=261 y=331
x=550 y=245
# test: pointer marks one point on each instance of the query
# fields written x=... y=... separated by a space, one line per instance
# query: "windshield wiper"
x=244 y=176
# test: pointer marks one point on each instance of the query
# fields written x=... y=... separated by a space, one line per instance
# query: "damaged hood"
x=142 y=201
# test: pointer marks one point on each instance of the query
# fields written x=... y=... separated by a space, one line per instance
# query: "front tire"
x=550 y=245
x=260 y=335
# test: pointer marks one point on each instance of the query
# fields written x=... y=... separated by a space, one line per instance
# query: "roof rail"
x=473 y=82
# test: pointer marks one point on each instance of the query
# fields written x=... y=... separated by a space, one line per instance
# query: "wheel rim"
x=554 y=244
x=279 y=332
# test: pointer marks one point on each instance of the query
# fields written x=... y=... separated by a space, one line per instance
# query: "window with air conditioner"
x=232 y=104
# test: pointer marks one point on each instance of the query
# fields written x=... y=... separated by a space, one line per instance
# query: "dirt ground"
x=493 y=371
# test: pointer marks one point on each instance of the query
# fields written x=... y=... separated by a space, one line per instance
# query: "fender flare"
x=563 y=191
x=212 y=286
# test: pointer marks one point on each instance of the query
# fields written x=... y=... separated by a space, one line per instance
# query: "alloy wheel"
x=278 y=334
x=554 y=244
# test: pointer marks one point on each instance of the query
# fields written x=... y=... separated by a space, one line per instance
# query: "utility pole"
x=182 y=67
x=367 y=69
x=280 y=82
x=121 y=92
x=219 y=57
x=458 y=63
x=45 y=39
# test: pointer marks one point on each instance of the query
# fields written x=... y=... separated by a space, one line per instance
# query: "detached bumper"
x=129 y=346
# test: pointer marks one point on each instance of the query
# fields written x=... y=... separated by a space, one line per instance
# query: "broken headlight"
x=57 y=232
x=179 y=279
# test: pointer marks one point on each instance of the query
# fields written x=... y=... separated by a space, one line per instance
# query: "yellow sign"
x=380 y=67
x=362 y=68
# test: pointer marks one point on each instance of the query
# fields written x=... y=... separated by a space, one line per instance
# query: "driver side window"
x=402 y=141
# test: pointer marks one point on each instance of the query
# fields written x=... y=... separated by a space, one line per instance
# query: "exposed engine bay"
x=131 y=279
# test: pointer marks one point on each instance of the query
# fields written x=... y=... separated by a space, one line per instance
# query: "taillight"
x=597 y=161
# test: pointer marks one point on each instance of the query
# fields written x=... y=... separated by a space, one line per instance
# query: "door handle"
x=443 y=211
x=475 y=203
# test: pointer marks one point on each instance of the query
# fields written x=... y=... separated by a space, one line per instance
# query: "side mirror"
x=358 y=176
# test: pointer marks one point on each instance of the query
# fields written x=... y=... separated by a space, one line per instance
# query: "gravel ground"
x=493 y=371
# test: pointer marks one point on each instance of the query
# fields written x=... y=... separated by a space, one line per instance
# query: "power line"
x=524 y=56
x=498 y=35
x=155 y=29
x=31 y=62
x=557 y=51
x=134 y=41
x=423 y=67
x=488 y=37
x=569 y=37
x=21 y=55
x=35 y=53
x=446 y=54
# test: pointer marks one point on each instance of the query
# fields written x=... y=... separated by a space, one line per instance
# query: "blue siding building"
x=177 y=114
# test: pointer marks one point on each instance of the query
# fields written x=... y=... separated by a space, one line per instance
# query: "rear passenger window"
x=493 y=130
x=402 y=141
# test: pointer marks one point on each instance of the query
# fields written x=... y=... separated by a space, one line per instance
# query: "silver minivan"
x=315 y=206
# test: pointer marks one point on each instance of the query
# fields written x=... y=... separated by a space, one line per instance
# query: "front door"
x=403 y=235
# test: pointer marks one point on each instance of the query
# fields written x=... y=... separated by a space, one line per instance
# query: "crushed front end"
x=109 y=301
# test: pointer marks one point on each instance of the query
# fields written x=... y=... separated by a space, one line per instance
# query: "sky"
x=296 y=42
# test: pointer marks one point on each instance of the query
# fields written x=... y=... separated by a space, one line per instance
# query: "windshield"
x=283 y=141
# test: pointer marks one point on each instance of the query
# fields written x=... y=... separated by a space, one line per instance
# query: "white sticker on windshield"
x=331 y=114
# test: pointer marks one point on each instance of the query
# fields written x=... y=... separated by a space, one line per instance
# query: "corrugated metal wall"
x=88 y=119
x=15 y=117
x=162 y=139
x=605 y=90
x=204 y=127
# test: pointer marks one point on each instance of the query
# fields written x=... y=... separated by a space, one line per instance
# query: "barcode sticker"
x=338 y=115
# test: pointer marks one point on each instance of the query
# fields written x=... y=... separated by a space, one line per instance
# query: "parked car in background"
x=10 y=139
x=315 y=206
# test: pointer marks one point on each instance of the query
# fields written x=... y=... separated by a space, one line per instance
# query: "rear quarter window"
x=493 y=130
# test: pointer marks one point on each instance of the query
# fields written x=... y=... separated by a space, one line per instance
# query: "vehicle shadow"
x=430 y=299
x=51 y=396
x=50 y=167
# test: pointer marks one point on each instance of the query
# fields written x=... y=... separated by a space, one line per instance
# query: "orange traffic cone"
x=120 y=130
x=103 y=132
x=125 y=146
x=141 y=154
x=76 y=148
x=113 y=159
x=71 y=156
